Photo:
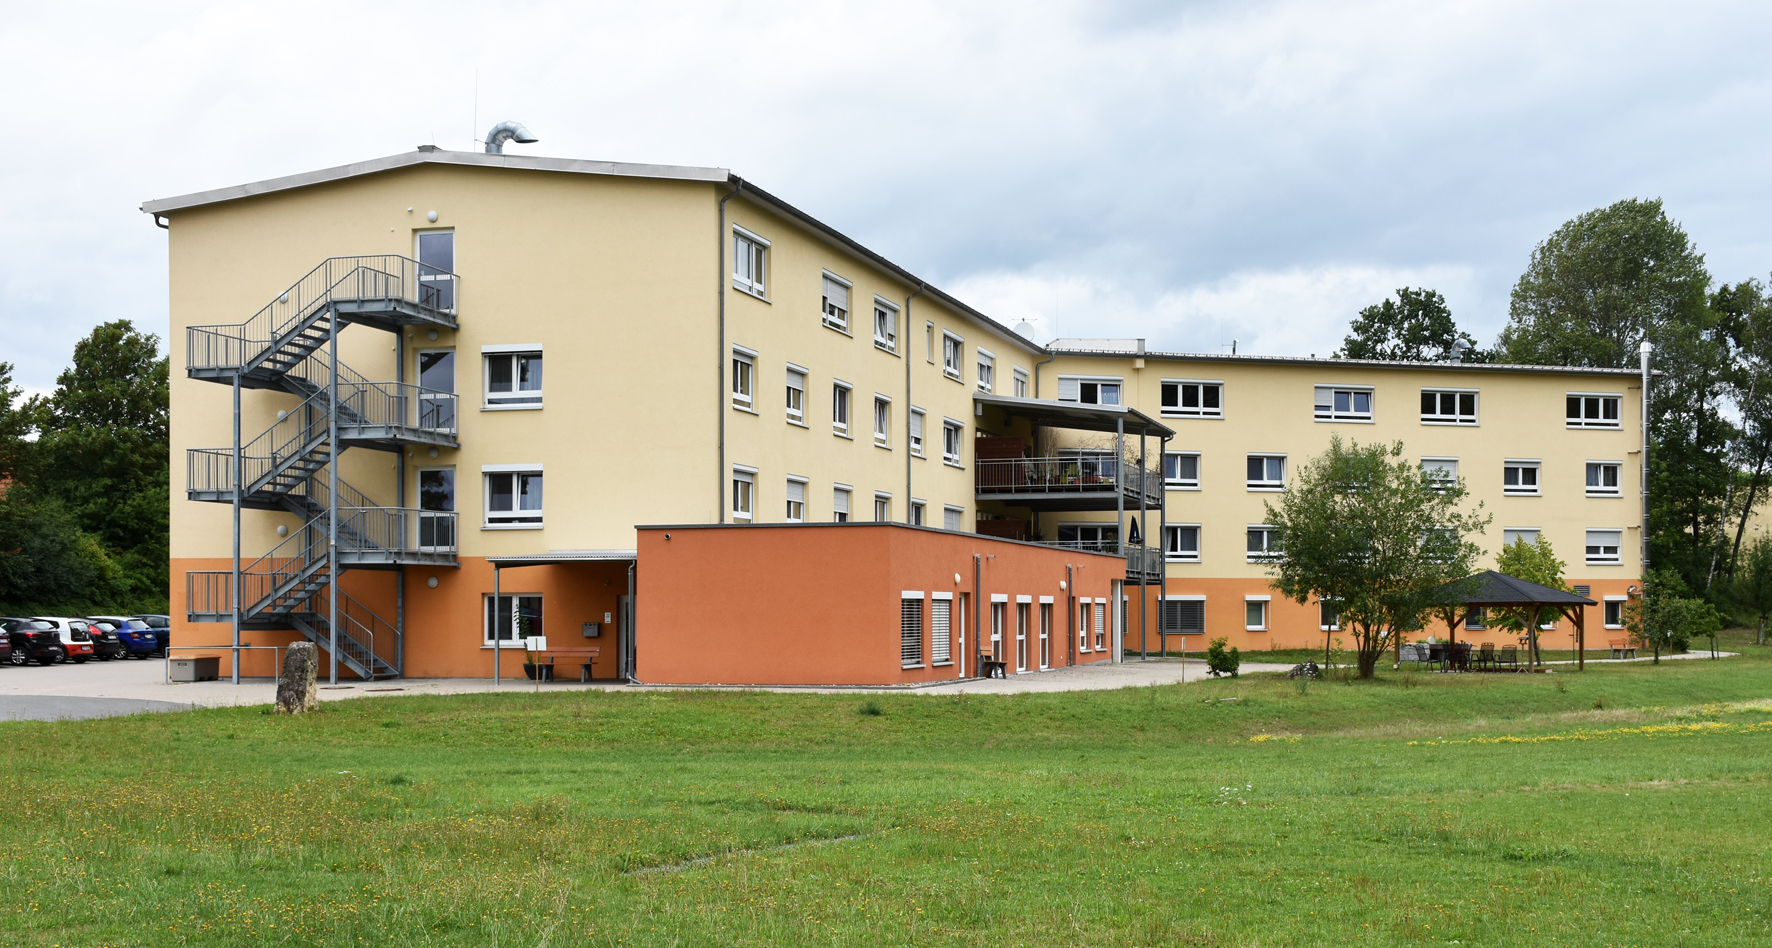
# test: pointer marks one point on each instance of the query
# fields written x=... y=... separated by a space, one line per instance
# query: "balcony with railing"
x=1144 y=562
x=1072 y=482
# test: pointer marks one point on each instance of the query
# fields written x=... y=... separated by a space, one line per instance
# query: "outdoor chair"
x=1508 y=657
x=1459 y=656
x=1436 y=654
x=1486 y=657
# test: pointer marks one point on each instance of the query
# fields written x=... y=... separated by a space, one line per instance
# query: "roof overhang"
x=560 y=557
x=1078 y=417
x=427 y=155
x=1491 y=588
x=1342 y=364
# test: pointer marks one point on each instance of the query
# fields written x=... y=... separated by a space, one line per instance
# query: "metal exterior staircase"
x=288 y=466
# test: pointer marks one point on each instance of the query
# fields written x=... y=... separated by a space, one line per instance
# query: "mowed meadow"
x=1626 y=805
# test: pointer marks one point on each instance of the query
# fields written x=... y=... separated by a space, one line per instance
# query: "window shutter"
x=797 y=491
x=1067 y=390
x=911 y=632
x=836 y=293
x=840 y=501
x=951 y=519
x=940 y=647
x=917 y=425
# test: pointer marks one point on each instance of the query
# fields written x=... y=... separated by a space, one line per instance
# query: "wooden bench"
x=1621 y=646
x=589 y=655
x=989 y=667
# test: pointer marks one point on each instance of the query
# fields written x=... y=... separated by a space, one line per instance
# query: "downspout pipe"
x=904 y=336
x=720 y=357
x=1050 y=357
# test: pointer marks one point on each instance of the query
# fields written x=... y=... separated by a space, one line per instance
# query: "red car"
x=75 y=637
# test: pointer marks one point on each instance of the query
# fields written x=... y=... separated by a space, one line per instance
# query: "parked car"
x=5 y=649
x=132 y=622
x=32 y=641
x=76 y=637
x=137 y=642
x=160 y=625
x=106 y=645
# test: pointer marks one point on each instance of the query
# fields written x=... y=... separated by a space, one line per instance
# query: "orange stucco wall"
x=820 y=603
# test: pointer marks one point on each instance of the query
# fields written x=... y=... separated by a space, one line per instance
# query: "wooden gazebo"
x=1527 y=600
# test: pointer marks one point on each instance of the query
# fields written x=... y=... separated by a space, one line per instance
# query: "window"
x=436 y=266
x=1592 y=411
x=1448 y=408
x=953 y=518
x=840 y=505
x=513 y=498
x=1519 y=478
x=987 y=370
x=1083 y=610
x=1267 y=472
x=1023 y=606
x=1021 y=383
x=1045 y=631
x=885 y=325
x=513 y=379
x=796 y=394
x=951 y=434
x=1100 y=624
x=749 y=261
x=1344 y=404
x=1183 y=399
x=840 y=408
x=1181 y=542
x=929 y=342
x=1181 y=470
x=1476 y=620
x=1088 y=391
x=1255 y=615
x=917 y=431
x=910 y=635
x=436 y=510
x=941 y=612
x=1513 y=535
x=436 y=389
x=743 y=376
x=952 y=353
x=1328 y=615
x=917 y=509
x=836 y=302
x=1602 y=479
x=1440 y=473
x=1183 y=615
x=882 y=421
x=796 y=512
x=1101 y=537
x=744 y=489
x=999 y=619
x=1602 y=547
x=1614 y=616
x=882 y=507
x=1263 y=544
x=508 y=620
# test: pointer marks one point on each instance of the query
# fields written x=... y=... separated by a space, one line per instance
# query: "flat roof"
x=1347 y=363
x=556 y=557
x=1077 y=416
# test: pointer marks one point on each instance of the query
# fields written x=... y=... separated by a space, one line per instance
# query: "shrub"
x=1219 y=661
x=871 y=709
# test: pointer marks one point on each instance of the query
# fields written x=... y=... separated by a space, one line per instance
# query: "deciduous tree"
x=1417 y=326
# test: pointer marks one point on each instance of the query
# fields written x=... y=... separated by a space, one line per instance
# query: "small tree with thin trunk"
x=1753 y=586
x=1364 y=527
x=1534 y=562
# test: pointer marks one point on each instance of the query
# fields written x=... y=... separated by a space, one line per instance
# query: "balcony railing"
x=1068 y=475
x=1147 y=560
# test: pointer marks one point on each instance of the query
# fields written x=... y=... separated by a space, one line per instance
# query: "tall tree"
x=1417 y=326
x=1363 y=528
x=15 y=425
x=1744 y=312
x=1753 y=588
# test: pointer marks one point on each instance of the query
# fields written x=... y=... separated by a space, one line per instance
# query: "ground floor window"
x=941 y=630
x=911 y=629
x=1045 y=634
x=511 y=619
x=1022 y=617
x=1083 y=613
x=1255 y=615
x=1614 y=612
x=999 y=618
x=1100 y=625
x=1184 y=616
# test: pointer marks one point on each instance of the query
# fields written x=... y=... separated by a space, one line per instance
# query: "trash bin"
x=196 y=669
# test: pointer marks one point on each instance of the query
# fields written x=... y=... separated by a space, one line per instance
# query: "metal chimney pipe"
x=507 y=132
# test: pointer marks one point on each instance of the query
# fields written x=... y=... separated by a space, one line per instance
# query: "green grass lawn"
x=1623 y=806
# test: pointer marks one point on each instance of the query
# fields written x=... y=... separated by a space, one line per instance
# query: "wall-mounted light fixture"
x=432 y=582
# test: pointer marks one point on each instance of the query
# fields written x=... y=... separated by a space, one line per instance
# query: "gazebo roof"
x=1490 y=588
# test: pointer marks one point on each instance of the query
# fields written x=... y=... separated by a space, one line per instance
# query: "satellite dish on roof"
x=1024 y=329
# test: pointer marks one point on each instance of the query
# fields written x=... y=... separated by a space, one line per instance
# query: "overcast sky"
x=1190 y=173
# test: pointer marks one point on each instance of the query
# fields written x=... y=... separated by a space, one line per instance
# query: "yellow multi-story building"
x=543 y=354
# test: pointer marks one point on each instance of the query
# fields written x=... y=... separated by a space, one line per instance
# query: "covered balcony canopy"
x=1075 y=480
x=1044 y=413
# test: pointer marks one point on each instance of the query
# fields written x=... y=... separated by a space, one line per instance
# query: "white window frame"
x=795 y=413
x=987 y=368
x=1618 y=475
x=919 y=428
x=919 y=512
x=431 y=276
x=882 y=514
x=1021 y=382
x=1198 y=411
x=1603 y=559
x=1178 y=482
x=953 y=355
x=929 y=341
x=840 y=319
x=1517 y=532
x=516 y=399
x=882 y=421
x=517 y=518
x=1076 y=384
x=957 y=514
x=1439 y=465
x=1172 y=552
x=1605 y=603
x=941 y=628
x=842 y=404
x=906 y=659
x=744 y=379
x=1332 y=626
x=1600 y=423
x=1456 y=419
x=1520 y=490
x=1351 y=415
x=1267 y=618
x=756 y=258
x=1266 y=484
x=842 y=503
x=1180 y=599
x=1265 y=554
x=889 y=341
x=793 y=516
x=954 y=432
x=487 y=604
x=744 y=494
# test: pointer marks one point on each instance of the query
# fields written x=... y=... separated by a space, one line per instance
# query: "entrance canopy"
x=557 y=557
x=1077 y=416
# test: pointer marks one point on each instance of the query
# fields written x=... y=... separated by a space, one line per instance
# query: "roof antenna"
x=507 y=132
x=1233 y=347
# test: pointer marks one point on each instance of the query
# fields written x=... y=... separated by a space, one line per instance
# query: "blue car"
x=160 y=625
x=138 y=641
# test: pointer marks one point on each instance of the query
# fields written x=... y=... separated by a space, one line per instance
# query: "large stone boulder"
x=298 y=690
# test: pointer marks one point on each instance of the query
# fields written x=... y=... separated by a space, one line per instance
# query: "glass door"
x=436 y=389
x=436 y=510
x=436 y=269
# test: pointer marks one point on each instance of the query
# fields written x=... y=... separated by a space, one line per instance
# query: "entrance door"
x=1021 y=636
x=625 y=636
x=436 y=510
x=999 y=618
x=1045 y=635
x=436 y=269
x=436 y=390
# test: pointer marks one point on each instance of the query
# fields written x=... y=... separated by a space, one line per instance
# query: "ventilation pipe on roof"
x=507 y=132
